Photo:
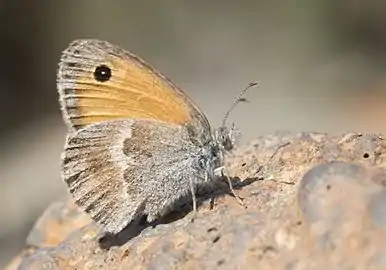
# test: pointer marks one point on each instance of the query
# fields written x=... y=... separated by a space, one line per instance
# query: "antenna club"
x=238 y=100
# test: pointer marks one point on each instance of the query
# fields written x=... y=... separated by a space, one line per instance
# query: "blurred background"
x=321 y=66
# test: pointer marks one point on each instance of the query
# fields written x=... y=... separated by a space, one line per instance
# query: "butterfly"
x=136 y=142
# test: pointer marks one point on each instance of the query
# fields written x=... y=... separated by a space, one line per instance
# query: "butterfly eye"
x=102 y=73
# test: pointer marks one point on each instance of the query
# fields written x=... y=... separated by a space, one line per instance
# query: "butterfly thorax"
x=214 y=151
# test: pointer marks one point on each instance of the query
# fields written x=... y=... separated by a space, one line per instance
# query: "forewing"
x=134 y=90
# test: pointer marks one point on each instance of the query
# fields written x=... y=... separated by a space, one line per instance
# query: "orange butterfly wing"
x=133 y=88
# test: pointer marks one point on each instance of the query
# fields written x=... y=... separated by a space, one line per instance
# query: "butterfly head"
x=224 y=138
x=223 y=141
x=212 y=157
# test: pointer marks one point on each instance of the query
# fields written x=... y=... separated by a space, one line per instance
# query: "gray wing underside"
x=119 y=169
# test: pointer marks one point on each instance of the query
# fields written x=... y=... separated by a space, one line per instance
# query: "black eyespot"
x=102 y=73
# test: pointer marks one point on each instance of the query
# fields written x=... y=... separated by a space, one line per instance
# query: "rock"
x=15 y=262
x=56 y=223
x=314 y=201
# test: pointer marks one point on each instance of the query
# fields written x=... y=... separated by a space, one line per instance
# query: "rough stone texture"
x=314 y=201
x=56 y=223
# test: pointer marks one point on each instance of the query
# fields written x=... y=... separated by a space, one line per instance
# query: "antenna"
x=238 y=99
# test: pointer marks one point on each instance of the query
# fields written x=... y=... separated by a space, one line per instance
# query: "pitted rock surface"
x=314 y=201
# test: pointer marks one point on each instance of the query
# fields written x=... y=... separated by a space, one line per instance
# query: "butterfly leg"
x=225 y=173
x=192 y=190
